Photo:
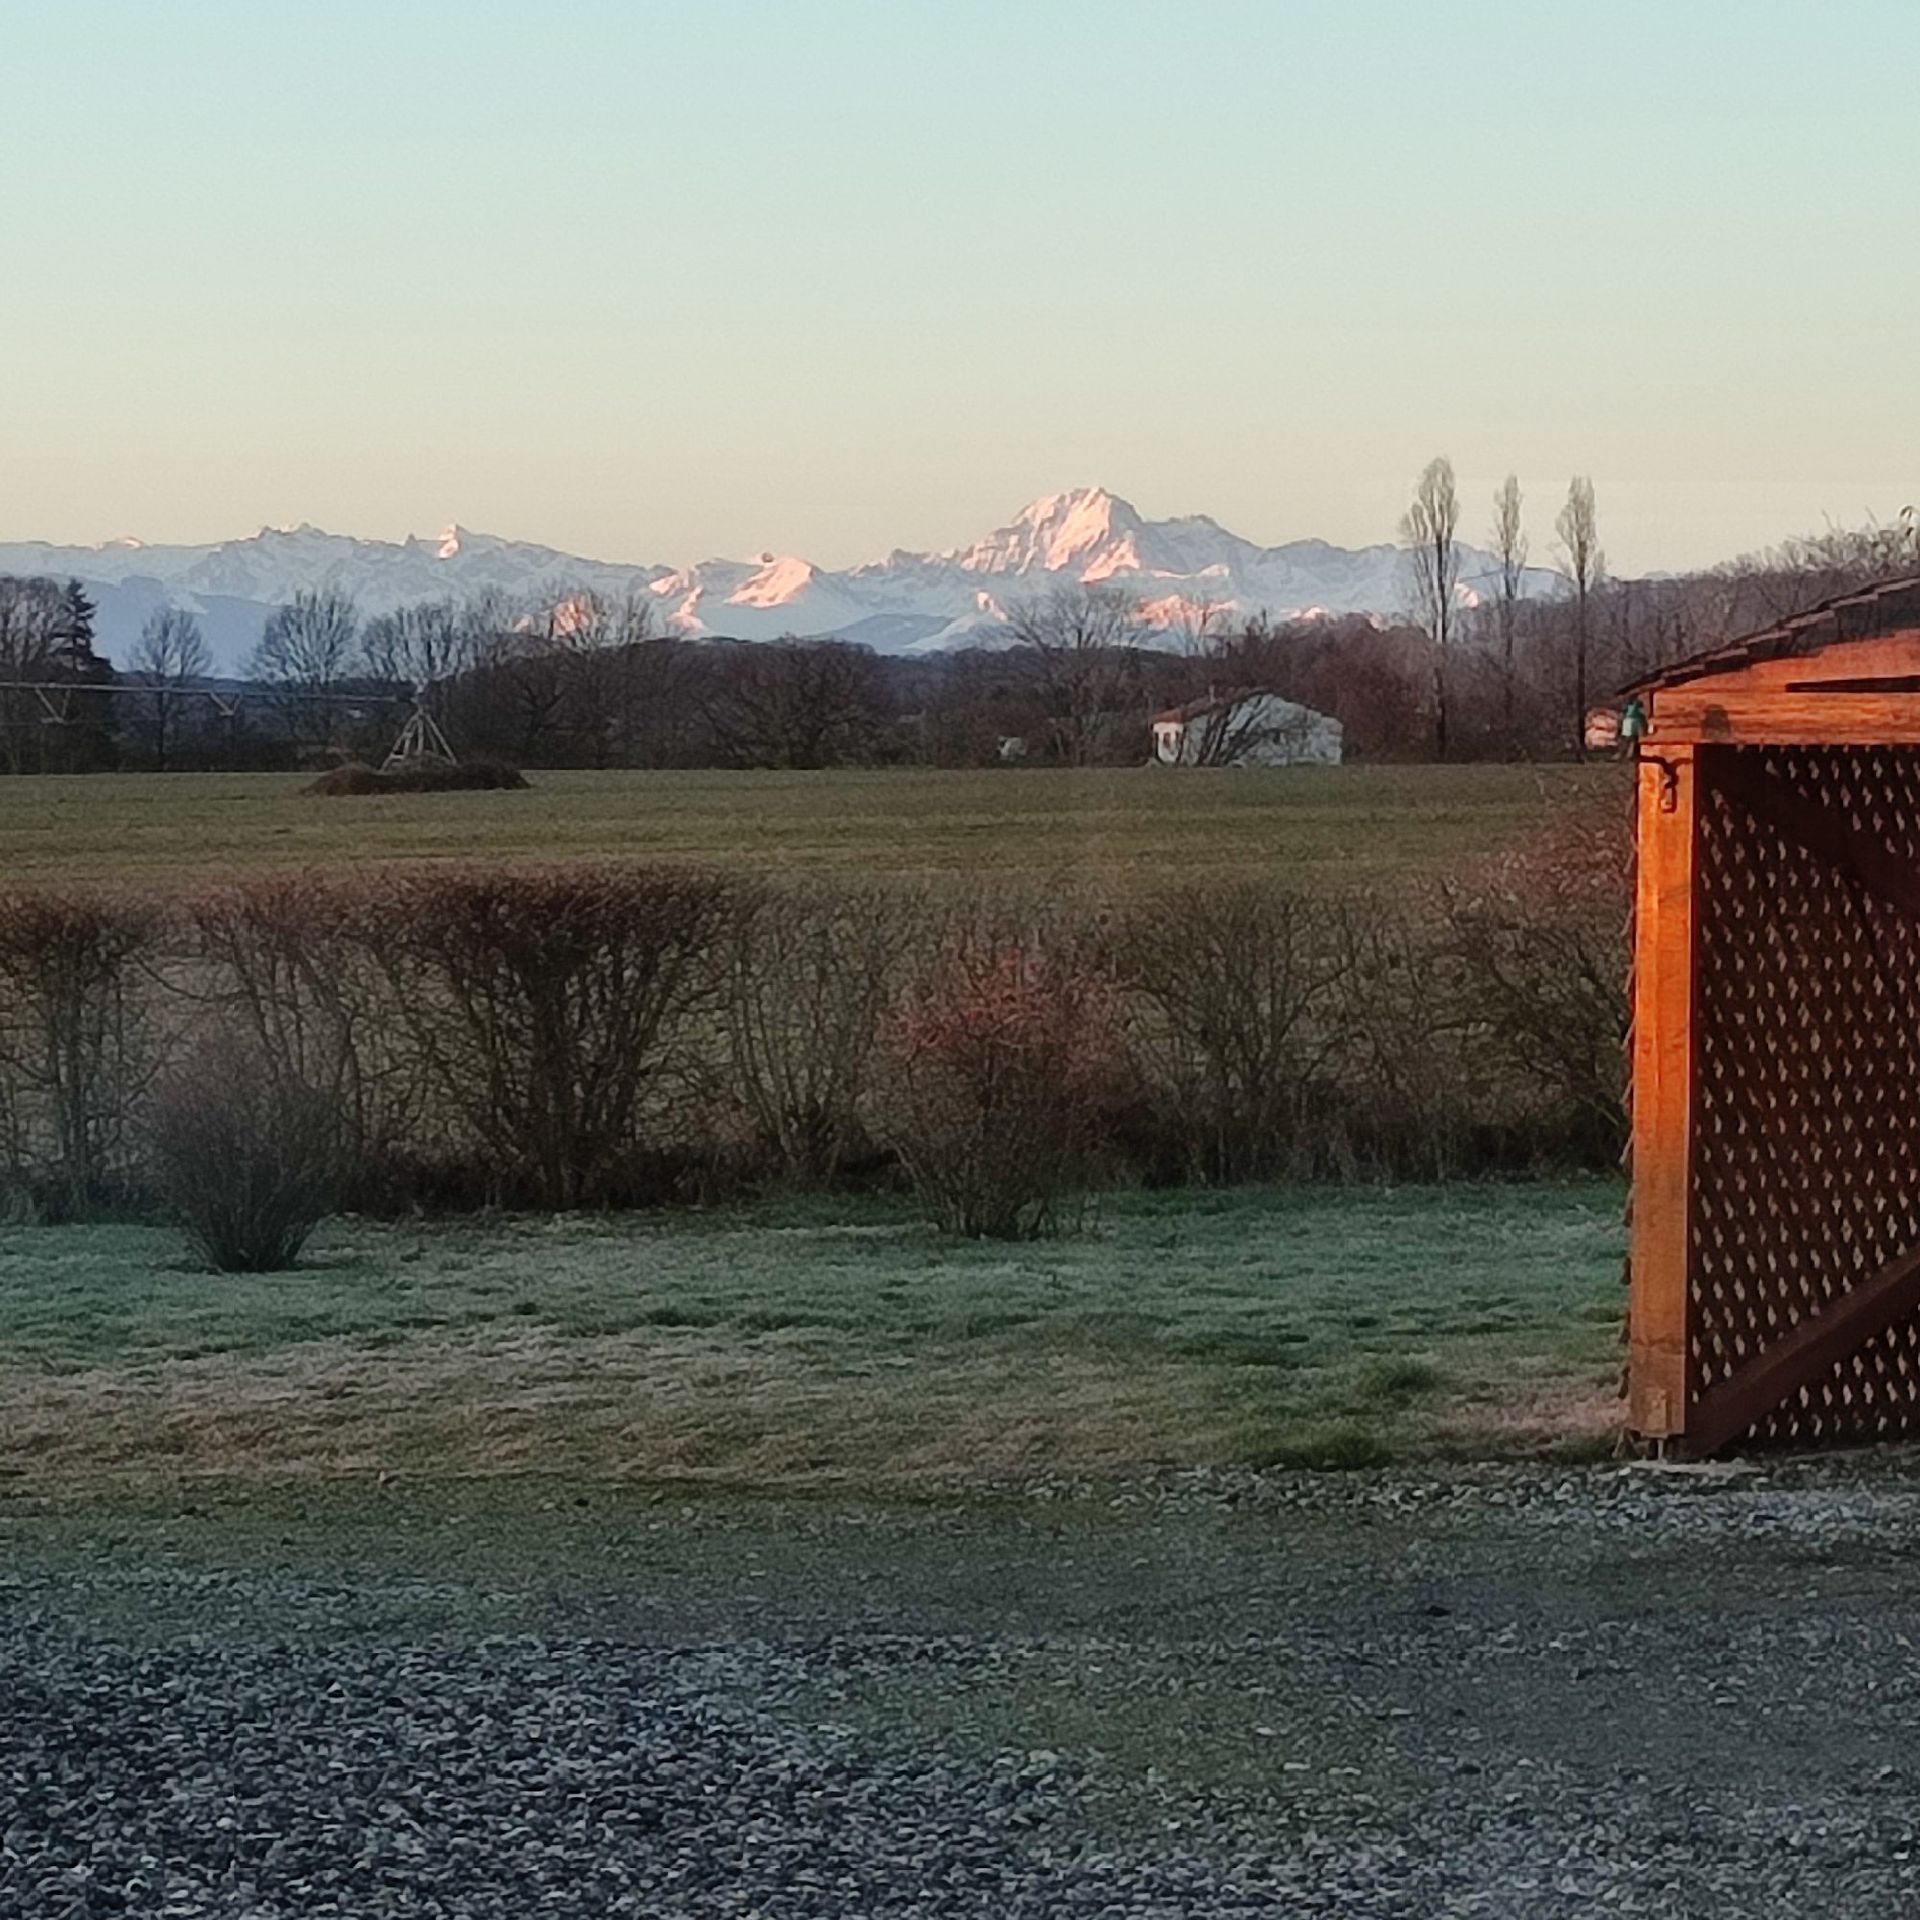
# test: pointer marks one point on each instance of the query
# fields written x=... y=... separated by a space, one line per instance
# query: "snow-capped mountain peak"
x=778 y=583
x=1087 y=531
x=1181 y=571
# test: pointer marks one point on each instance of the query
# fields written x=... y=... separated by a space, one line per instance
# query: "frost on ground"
x=1500 y=1693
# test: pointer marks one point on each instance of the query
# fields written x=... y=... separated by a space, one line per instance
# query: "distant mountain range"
x=906 y=603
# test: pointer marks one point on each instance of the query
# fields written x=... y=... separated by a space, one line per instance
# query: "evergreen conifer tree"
x=89 y=742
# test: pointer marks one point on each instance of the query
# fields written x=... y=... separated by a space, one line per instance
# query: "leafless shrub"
x=1483 y=1029
x=809 y=979
x=289 y=963
x=1235 y=979
x=541 y=1007
x=247 y=1162
x=1410 y=1100
x=1542 y=944
x=593 y=1037
x=1004 y=1064
x=77 y=1046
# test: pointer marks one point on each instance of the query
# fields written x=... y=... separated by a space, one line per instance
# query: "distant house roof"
x=1891 y=607
x=1216 y=703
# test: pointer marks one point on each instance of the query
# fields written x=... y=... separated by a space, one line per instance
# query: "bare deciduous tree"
x=509 y=698
x=1229 y=728
x=569 y=677
x=1761 y=588
x=32 y=629
x=1219 y=731
x=667 y=724
x=798 y=703
x=517 y=696
x=171 y=655
x=1429 y=528
x=418 y=646
x=1199 y=627
x=1510 y=549
x=1579 y=531
x=308 y=648
x=1084 y=638
x=598 y=638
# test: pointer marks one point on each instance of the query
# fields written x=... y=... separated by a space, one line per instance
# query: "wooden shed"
x=1775 y=1286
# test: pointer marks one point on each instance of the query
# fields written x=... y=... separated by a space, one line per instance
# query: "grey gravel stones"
x=505 y=1779
x=1491 y=1694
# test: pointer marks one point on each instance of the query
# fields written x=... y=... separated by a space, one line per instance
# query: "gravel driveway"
x=1502 y=1693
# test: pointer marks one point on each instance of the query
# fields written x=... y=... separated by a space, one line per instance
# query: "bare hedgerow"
x=1234 y=981
x=1541 y=942
x=246 y=1162
x=78 y=1045
x=1411 y=1095
x=810 y=977
x=1003 y=1068
x=289 y=962
x=543 y=1010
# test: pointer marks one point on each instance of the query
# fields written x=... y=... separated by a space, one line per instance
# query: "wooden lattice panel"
x=1806 y=1167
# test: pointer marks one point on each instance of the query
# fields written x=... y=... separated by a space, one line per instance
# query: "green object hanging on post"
x=1633 y=721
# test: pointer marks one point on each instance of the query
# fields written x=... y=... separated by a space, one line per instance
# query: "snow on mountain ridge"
x=1178 y=568
x=1088 y=530
x=777 y=583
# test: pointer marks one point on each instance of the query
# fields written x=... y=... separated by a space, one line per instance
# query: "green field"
x=1318 y=826
x=811 y=1344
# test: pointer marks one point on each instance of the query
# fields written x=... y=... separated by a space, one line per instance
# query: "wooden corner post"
x=1663 y=997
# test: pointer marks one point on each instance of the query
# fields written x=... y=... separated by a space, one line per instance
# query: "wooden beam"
x=1699 y=713
x=1805 y=1354
x=1735 y=674
x=1663 y=991
x=1827 y=835
x=1887 y=683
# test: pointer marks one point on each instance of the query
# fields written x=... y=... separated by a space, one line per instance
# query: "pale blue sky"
x=657 y=281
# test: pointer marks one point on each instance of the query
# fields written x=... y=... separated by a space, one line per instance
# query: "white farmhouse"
x=1246 y=729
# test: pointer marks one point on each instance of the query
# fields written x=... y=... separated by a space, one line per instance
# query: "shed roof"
x=1223 y=701
x=1846 y=673
x=1870 y=614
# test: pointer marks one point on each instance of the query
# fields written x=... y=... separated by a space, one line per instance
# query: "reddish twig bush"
x=1004 y=1067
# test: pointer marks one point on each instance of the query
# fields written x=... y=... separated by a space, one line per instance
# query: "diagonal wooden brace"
x=1805 y=1354
x=1821 y=831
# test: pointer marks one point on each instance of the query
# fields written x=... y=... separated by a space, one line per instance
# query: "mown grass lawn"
x=1318 y=827
x=828 y=1343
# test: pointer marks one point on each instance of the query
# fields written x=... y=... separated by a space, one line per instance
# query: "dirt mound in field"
x=428 y=776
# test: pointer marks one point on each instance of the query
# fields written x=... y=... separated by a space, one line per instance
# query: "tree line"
x=1475 y=668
